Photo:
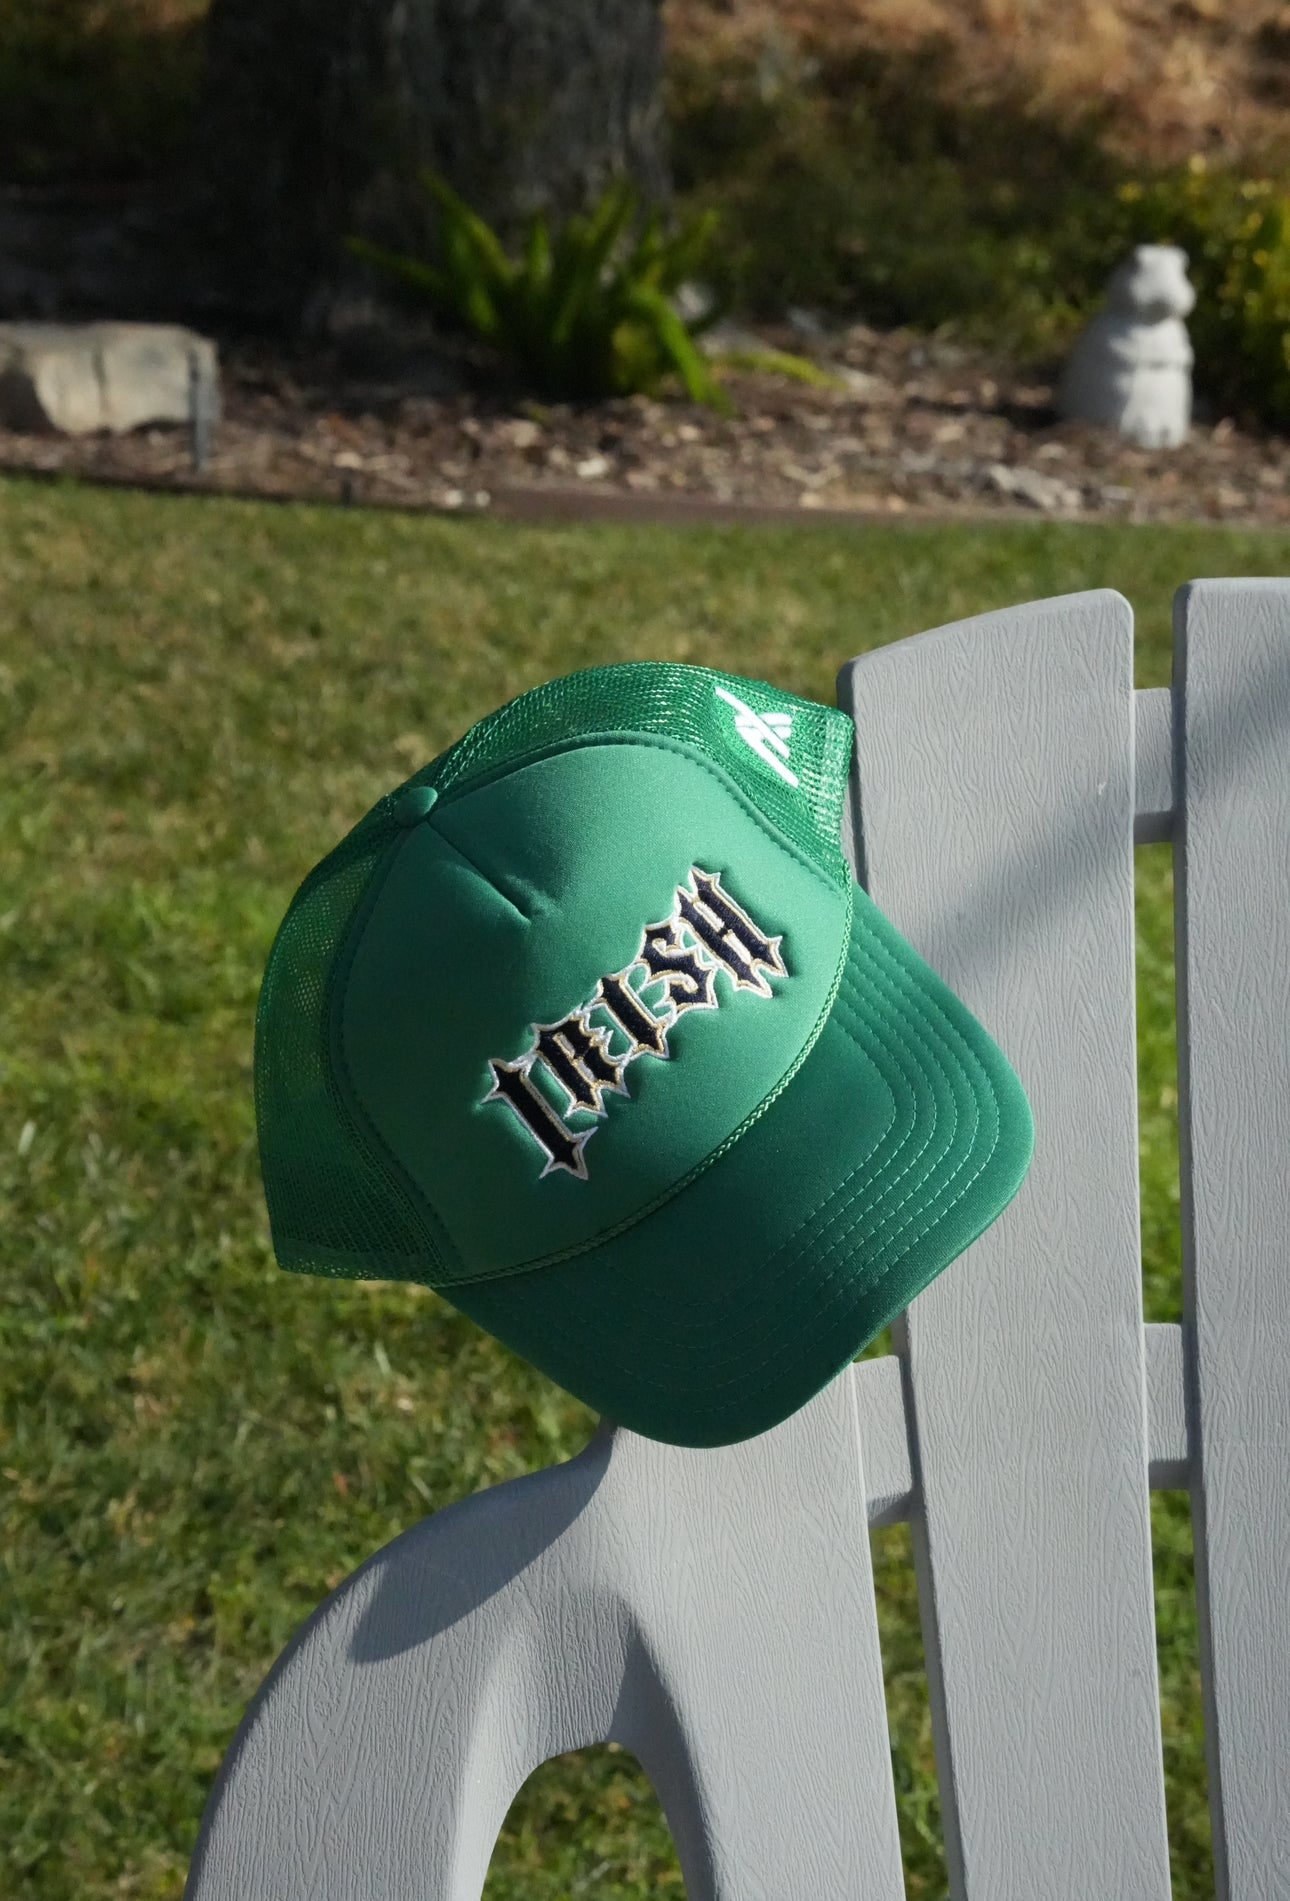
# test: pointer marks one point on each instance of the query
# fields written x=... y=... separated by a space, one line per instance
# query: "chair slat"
x=997 y=807
x=711 y=1611
x=753 y=1584
x=1233 y=929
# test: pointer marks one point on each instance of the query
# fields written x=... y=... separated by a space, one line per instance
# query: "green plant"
x=877 y=191
x=798 y=369
x=584 y=311
x=1236 y=233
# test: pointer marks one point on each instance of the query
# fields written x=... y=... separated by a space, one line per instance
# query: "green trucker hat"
x=588 y=1026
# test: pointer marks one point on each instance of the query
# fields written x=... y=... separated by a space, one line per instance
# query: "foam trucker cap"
x=588 y=1026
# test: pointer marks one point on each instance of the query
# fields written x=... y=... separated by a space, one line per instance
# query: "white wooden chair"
x=713 y=1611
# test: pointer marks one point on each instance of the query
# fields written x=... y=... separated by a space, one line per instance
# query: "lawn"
x=197 y=698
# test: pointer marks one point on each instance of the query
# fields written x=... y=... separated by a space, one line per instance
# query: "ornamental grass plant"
x=582 y=311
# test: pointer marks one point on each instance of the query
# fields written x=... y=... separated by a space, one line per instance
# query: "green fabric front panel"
x=502 y=912
x=903 y=1134
x=711 y=1322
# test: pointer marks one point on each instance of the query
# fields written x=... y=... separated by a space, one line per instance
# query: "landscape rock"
x=1048 y=492
x=728 y=338
x=77 y=379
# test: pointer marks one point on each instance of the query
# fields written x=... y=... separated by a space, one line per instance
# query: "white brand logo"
x=767 y=733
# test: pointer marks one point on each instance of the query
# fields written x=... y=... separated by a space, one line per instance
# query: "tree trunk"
x=319 y=117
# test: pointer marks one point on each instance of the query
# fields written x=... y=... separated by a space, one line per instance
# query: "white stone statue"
x=1131 y=367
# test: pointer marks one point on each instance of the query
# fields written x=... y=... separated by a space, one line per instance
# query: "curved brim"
x=901 y=1137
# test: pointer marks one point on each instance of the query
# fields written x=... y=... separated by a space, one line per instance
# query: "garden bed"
x=910 y=425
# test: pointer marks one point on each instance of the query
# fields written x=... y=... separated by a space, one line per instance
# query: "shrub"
x=583 y=312
x=875 y=191
x=1236 y=233
x=888 y=196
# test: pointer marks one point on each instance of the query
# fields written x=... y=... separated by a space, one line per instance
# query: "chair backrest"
x=713 y=1611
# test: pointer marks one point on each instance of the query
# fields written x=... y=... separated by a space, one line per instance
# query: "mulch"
x=915 y=427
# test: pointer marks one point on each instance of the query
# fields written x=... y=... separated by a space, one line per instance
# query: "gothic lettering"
x=726 y=930
x=577 y=1054
x=640 y=1026
x=684 y=970
x=512 y=1084
x=707 y=934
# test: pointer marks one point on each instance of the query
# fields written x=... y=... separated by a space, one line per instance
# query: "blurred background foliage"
x=978 y=170
x=878 y=187
x=96 y=92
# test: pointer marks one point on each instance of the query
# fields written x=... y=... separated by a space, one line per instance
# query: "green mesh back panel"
x=338 y=1202
x=665 y=697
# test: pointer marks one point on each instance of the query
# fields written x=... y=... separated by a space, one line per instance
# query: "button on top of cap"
x=416 y=803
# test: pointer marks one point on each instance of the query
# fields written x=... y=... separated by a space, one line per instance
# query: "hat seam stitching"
x=484 y=877
x=884 y=1231
x=893 y=987
x=961 y=1068
x=334 y=1005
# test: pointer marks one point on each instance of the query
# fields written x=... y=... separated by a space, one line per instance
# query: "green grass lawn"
x=197 y=698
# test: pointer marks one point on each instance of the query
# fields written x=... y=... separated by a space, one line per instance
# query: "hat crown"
x=433 y=1018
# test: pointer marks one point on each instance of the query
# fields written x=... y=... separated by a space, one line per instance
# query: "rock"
x=807 y=323
x=693 y=301
x=73 y=379
x=730 y=339
x=865 y=384
x=521 y=433
x=1131 y=368
x=1048 y=492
